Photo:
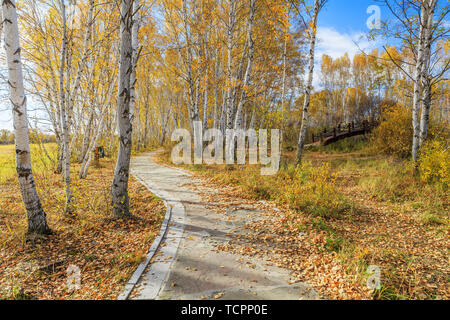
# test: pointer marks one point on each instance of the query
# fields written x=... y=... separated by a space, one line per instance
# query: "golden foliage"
x=434 y=163
x=394 y=135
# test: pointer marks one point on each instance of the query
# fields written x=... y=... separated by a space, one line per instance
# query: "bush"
x=313 y=190
x=394 y=135
x=434 y=162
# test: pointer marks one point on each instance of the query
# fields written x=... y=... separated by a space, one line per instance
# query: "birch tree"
x=119 y=189
x=64 y=112
x=418 y=75
x=248 y=71
x=37 y=222
x=426 y=78
x=419 y=28
x=312 y=32
x=135 y=55
x=230 y=28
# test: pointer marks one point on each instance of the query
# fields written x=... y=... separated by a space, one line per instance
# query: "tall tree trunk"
x=425 y=117
x=206 y=82
x=92 y=143
x=37 y=222
x=135 y=57
x=418 y=82
x=87 y=137
x=230 y=45
x=426 y=78
x=223 y=115
x=248 y=71
x=84 y=57
x=216 y=80
x=64 y=114
x=283 y=88
x=119 y=189
x=60 y=155
x=190 y=89
x=305 y=116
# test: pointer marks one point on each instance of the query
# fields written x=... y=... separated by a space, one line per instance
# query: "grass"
x=8 y=162
x=106 y=250
x=398 y=206
x=310 y=189
x=372 y=209
x=353 y=144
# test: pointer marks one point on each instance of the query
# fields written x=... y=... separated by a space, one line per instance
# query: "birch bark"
x=216 y=82
x=64 y=114
x=87 y=137
x=417 y=82
x=248 y=71
x=37 y=221
x=119 y=189
x=305 y=116
x=426 y=79
x=135 y=57
x=230 y=45
x=191 y=92
x=205 y=85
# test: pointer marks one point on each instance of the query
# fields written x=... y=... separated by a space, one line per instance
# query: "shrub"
x=394 y=135
x=434 y=162
x=313 y=190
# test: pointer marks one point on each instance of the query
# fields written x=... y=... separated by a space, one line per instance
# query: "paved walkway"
x=187 y=264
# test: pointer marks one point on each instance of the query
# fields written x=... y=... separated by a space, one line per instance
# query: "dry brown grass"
x=107 y=251
x=392 y=220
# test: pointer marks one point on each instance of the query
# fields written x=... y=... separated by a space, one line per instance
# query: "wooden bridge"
x=342 y=131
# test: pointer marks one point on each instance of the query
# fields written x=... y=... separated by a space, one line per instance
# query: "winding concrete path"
x=186 y=263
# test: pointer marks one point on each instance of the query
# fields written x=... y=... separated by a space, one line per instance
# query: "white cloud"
x=335 y=44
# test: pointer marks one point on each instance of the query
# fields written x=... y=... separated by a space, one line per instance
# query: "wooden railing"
x=343 y=131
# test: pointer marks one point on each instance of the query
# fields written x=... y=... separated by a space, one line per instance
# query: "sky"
x=342 y=28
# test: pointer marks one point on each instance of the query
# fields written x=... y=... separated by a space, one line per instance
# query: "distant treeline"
x=36 y=136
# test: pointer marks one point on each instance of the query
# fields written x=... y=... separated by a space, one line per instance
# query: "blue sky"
x=347 y=16
x=341 y=24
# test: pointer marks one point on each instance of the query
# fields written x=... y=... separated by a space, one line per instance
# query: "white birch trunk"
x=305 y=116
x=119 y=189
x=93 y=142
x=135 y=48
x=230 y=45
x=85 y=166
x=87 y=137
x=216 y=84
x=205 y=92
x=64 y=114
x=283 y=89
x=191 y=92
x=248 y=71
x=84 y=57
x=426 y=79
x=418 y=83
x=37 y=222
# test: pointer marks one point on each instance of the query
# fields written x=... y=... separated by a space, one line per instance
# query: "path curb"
x=155 y=246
